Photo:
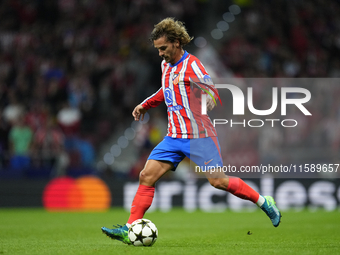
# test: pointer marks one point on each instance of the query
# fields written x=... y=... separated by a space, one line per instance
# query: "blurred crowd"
x=71 y=71
x=286 y=39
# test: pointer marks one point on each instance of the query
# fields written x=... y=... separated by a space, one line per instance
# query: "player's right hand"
x=139 y=112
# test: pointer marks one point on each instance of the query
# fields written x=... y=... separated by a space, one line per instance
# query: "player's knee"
x=145 y=178
x=219 y=183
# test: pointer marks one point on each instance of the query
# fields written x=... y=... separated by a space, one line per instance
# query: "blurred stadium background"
x=71 y=73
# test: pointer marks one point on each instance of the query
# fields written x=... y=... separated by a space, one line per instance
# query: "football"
x=143 y=232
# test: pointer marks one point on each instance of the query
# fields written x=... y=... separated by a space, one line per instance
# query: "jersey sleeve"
x=154 y=100
x=203 y=78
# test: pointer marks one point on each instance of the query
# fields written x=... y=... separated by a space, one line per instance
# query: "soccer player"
x=189 y=134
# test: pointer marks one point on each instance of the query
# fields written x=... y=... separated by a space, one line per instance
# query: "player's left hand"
x=210 y=103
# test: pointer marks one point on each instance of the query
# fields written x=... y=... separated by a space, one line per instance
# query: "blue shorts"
x=202 y=151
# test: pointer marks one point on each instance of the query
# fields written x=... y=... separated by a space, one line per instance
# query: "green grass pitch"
x=35 y=231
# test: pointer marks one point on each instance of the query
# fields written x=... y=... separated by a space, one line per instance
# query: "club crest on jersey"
x=175 y=79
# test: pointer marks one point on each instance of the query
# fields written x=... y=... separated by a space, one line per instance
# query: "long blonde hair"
x=173 y=30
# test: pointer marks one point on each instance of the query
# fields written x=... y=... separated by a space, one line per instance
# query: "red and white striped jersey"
x=183 y=99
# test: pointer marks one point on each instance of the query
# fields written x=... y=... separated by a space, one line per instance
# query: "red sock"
x=242 y=190
x=141 y=202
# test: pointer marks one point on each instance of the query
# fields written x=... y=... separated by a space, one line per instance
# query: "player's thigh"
x=153 y=171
